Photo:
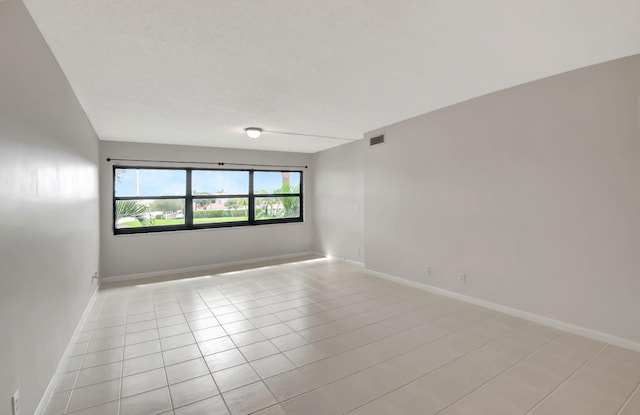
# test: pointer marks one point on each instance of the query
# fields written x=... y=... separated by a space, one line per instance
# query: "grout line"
x=282 y=321
x=398 y=355
x=541 y=347
x=351 y=330
x=266 y=407
x=444 y=364
x=126 y=319
x=407 y=311
x=75 y=381
x=202 y=355
x=73 y=389
x=396 y=301
x=164 y=366
x=626 y=402
x=572 y=374
x=413 y=327
x=411 y=310
x=288 y=360
x=92 y=406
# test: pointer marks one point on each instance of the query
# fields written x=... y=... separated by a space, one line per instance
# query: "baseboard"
x=546 y=321
x=352 y=261
x=46 y=397
x=210 y=267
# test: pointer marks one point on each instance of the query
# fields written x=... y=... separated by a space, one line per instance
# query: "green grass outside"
x=224 y=219
x=166 y=222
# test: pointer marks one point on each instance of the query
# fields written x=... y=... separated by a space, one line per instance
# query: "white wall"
x=123 y=255
x=533 y=192
x=338 y=185
x=48 y=211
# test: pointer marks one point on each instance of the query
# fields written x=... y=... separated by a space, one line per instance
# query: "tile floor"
x=323 y=337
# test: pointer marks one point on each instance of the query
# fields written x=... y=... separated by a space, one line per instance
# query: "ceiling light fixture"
x=253 y=132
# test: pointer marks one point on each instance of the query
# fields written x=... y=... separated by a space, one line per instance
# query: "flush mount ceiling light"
x=253 y=132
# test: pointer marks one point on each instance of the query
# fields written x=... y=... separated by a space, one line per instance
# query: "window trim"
x=189 y=198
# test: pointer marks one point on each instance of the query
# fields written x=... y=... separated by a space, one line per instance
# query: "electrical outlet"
x=462 y=277
x=428 y=270
x=94 y=276
x=17 y=404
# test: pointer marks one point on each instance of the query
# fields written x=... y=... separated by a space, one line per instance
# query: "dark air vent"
x=379 y=139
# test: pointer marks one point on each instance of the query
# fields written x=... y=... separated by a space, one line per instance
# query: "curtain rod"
x=218 y=163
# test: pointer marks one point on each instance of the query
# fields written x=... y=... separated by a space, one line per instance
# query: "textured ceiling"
x=198 y=72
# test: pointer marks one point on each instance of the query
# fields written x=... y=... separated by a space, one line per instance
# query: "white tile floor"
x=323 y=337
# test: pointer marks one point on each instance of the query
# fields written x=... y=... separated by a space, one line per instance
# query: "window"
x=277 y=195
x=155 y=199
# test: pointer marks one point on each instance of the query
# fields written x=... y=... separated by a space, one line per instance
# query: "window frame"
x=189 y=199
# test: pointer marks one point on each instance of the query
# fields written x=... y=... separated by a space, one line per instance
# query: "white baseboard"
x=352 y=261
x=356 y=263
x=210 y=267
x=46 y=397
x=560 y=325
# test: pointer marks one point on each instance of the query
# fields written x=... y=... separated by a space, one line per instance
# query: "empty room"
x=319 y=207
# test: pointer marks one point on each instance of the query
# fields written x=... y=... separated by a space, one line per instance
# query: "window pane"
x=276 y=182
x=146 y=213
x=150 y=182
x=219 y=182
x=221 y=209
x=277 y=207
